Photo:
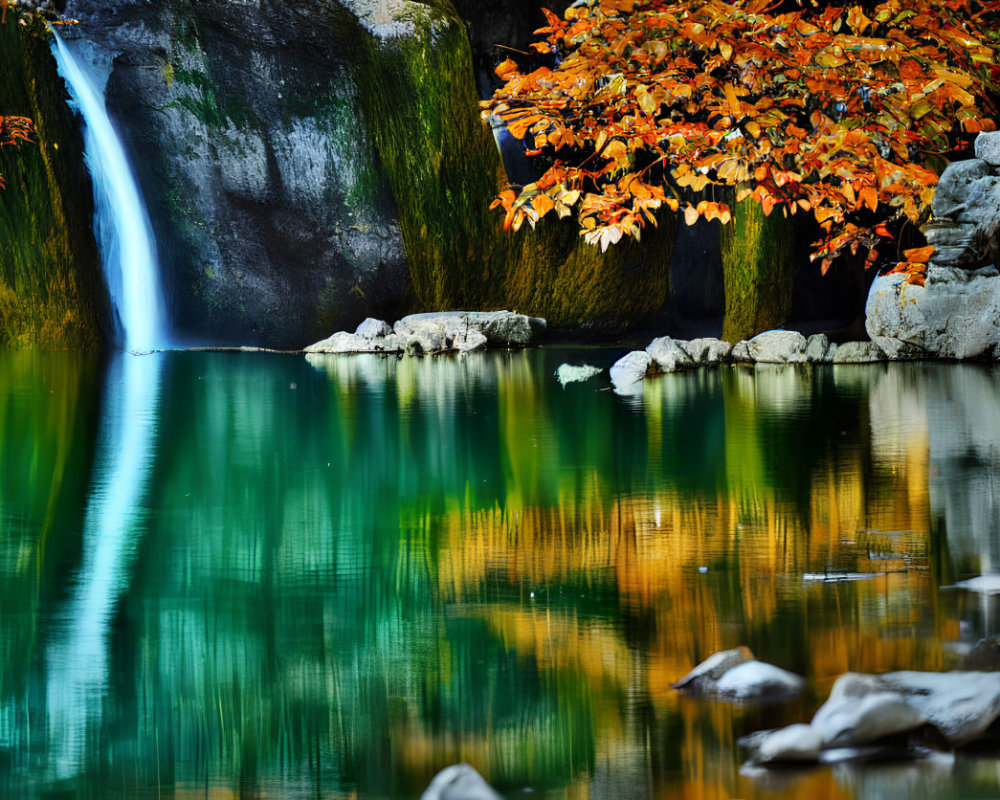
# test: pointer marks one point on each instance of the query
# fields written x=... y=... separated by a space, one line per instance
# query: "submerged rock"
x=736 y=675
x=568 y=373
x=459 y=782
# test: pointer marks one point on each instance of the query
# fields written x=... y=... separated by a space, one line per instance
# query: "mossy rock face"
x=273 y=221
x=52 y=291
x=758 y=262
x=445 y=170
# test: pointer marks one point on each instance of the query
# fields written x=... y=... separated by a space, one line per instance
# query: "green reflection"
x=352 y=571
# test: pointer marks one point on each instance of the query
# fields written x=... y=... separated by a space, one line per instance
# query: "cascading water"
x=121 y=225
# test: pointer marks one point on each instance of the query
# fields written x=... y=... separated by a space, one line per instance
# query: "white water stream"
x=121 y=224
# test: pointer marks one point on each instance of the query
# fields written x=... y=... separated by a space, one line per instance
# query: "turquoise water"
x=246 y=575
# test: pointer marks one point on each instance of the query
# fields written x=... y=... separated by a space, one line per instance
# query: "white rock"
x=988 y=147
x=503 y=328
x=714 y=667
x=628 y=372
x=778 y=347
x=861 y=709
x=569 y=373
x=795 y=743
x=669 y=355
x=818 y=348
x=469 y=341
x=857 y=353
x=459 y=782
x=342 y=342
x=962 y=705
x=707 y=350
x=956 y=314
x=371 y=328
x=757 y=680
x=741 y=352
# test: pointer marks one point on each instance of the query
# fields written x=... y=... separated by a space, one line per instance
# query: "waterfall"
x=121 y=225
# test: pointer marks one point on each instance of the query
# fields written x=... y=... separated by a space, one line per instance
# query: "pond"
x=249 y=575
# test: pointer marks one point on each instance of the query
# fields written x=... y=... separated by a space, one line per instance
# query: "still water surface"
x=246 y=576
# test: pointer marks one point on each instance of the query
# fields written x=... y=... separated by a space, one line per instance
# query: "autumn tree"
x=837 y=111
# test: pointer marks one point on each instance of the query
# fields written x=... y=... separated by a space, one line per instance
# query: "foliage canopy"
x=832 y=110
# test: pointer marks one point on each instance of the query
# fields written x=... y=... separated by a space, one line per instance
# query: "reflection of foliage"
x=824 y=109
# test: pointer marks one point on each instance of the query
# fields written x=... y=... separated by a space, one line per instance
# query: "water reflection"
x=329 y=578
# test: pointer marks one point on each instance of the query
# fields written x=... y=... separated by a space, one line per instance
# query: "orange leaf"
x=919 y=254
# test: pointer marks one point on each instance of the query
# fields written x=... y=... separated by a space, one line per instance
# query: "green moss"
x=52 y=293
x=758 y=270
x=443 y=166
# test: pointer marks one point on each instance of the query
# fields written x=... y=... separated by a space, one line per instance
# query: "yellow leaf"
x=690 y=215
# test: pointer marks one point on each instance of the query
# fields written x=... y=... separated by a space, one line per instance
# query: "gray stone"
x=501 y=328
x=422 y=338
x=628 y=372
x=954 y=315
x=741 y=352
x=796 y=743
x=962 y=705
x=669 y=355
x=861 y=709
x=714 y=667
x=778 y=347
x=459 y=782
x=707 y=350
x=988 y=147
x=371 y=328
x=953 y=185
x=757 y=680
x=818 y=348
x=569 y=373
x=857 y=353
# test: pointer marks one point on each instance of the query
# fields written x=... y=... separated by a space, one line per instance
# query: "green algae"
x=52 y=293
x=444 y=170
x=758 y=270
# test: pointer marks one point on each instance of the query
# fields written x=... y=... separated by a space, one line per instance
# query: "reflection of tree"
x=47 y=402
x=336 y=588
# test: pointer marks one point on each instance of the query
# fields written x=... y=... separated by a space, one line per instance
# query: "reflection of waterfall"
x=78 y=658
x=121 y=224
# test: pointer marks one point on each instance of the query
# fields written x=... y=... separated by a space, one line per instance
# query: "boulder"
x=861 y=709
x=778 y=347
x=955 y=314
x=988 y=147
x=741 y=352
x=628 y=372
x=669 y=355
x=501 y=328
x=469 y=341
x=757 y=680
x=459 y=782
x=343 y=342
x=707 y=350
x=568 y=373
x=373 y=328
x=795 y=743
x=856 y=353
x=962 y=705
x=714 y=667
x=736 y=675
x=818 y=348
